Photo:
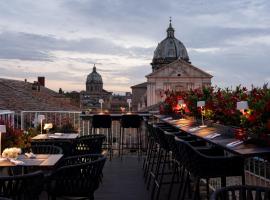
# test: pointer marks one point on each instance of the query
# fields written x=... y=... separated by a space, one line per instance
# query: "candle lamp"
x=201 y=104
x=129 y=103
x=182 y=105
x=242 y=106
x=101 y=101
x=41 y=118
x=123 y=109
x=48 y=126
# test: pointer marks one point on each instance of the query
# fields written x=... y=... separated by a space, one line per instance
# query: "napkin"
x=16 y=162
x=54 y=136
x=212 y=136
x=30 y=155
x=3 y=159
x=194 y=128
x=235 y=143
x=59 y=134
x=167 y=118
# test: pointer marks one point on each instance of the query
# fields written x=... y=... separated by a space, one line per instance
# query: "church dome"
x=170 y=49
x=94 y=77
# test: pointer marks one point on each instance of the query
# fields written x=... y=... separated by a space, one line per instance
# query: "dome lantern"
x=170 y=30
x=169 y=50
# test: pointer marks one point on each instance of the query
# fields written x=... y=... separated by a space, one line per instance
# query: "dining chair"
x=67 y=146
x=45 y=149
x=22 y=187
x=76 y=176
x=89 y=144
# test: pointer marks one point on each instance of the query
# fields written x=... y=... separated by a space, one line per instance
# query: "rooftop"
x=19 y=95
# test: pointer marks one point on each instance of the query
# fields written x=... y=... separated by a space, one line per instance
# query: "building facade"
x=94 y=91
x=171 y=70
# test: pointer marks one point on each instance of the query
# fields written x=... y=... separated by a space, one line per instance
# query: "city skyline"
x=61 y=40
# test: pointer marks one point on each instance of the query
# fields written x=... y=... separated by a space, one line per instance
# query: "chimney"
x=41 y=81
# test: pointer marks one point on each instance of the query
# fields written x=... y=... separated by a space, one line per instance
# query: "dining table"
x=216 y=136
x=39 y=160
x=63 y=136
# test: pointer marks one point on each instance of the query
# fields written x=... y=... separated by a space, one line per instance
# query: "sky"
x=62 y=39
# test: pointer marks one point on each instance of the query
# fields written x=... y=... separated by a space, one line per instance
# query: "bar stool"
x=240 y=192
x=164 y=161
x=206 y=164
x=103 y=122
x=129 y=121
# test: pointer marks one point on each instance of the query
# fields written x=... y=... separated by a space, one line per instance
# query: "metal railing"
x=130 y=134
x=7 y=116
x=28 y=119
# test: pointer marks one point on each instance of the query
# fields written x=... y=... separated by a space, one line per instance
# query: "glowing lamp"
x=101 y=101
x=123 y=109
x=129 y=102
x=48 y=126
x=2 y=130
x=41 y=118
x=181 y=102
x=242 y=106
x=201 y=104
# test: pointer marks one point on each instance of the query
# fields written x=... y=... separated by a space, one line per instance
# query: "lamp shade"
x=101 y=101
x=200 y=103
x=128 y=100
x=41 y=117
x=242 y=105
x=48 y=126
x=3 y=129
x=181 y=102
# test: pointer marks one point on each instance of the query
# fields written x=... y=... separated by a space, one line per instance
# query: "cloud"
x=63 y=39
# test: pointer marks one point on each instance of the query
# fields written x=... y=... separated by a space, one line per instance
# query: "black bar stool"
x=130 y=121
x=240 y=192
x=206 y=164
x=103 y=122
x=161 y=160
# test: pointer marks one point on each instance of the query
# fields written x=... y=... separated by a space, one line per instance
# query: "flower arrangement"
x=220 y=106
x=12 y=137
x=11 y=152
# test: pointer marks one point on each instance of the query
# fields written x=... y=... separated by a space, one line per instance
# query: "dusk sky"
x=62 y=39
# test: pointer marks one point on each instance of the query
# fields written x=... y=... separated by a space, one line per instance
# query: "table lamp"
x=201 y=104
x=129 y=102
x=2 y=130
x=101 y=101
x=48 y=126
x=181 y=104
x=242 y=106
x=41 y=118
